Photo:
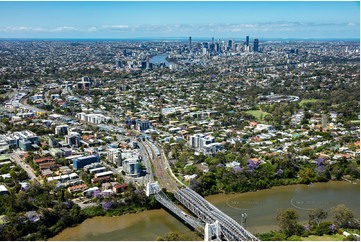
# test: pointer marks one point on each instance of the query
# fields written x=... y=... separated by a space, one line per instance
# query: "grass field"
x=258 y=114
x=334 y=237
x=309 y=101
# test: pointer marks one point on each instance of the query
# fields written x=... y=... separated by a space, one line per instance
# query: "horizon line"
x=175 y=38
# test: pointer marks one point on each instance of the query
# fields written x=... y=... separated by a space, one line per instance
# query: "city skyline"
x=180 y=19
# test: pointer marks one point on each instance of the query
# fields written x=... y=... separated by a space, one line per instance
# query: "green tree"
x=317 y=215
x=287 y=221
x=183 y=156
x=323 y=228
x=307 y=175
x=344 y=217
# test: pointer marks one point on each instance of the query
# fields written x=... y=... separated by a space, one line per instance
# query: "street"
x=15 y=157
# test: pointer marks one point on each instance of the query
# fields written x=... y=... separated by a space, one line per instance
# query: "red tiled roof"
x=48 y=165
x=105 y=178
x=117 y=186
x=42 y=160
x=81 y=186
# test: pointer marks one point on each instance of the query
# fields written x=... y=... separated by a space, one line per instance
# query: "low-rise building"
x=23 y=137
x=73 y=139
x=131 y=167
x=118 y=188
x=62 y=129
x=115 y=156
x=77 y=188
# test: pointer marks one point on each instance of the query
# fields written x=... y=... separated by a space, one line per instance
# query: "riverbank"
x=158 y=59
x=261 y=208
x=144 y=226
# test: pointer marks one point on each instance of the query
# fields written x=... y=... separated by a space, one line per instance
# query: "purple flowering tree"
x=251 y=165
x=97 y=194
x=332 y=227
x=279 y=172
x=320 y=169
x=106 y=205
x=319 y=161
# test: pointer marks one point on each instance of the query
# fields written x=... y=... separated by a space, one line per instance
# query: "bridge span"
x=229 y=229
x=215 y=224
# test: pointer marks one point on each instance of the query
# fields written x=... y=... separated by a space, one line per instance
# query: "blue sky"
x=325 y=19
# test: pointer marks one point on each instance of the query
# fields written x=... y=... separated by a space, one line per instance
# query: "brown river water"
x=261 y=208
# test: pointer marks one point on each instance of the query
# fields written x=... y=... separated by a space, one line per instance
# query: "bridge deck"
x=229 y=228
x=166 y=202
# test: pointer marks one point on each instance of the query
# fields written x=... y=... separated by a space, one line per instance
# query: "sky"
x=150 y=19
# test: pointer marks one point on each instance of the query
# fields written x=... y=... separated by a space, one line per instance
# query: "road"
x=15 y=157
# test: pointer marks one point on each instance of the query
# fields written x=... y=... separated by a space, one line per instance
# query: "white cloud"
x=115 y=27
x=279 y=26
x=92 y=29
x=64 y=28
x=21 y=28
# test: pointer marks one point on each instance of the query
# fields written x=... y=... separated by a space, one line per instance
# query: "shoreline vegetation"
x=56 y=211
x=174 y=236
x=344 y=225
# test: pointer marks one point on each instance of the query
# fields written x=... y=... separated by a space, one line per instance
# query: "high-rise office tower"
x=205 y=45
x=255 y=45
x=247 y=40
x=229 y=44
x=190 y=43
x=211 y=48
x=119 y=63
x=212 y=40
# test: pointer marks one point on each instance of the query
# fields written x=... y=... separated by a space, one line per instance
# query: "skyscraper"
x=212 y=40
x=247 y=40
x=118 y=63
x=190 y=43
x=255 y=45
x=229 y=44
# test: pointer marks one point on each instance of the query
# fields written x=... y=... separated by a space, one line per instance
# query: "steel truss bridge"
x=215 y=224
x=228 y=229
x=207 y=219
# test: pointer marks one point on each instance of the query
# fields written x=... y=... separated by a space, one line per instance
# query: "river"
x=159 y=59
x=261 y=208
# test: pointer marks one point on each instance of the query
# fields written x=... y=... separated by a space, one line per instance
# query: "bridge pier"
x=210 y=230
x=152 y=188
